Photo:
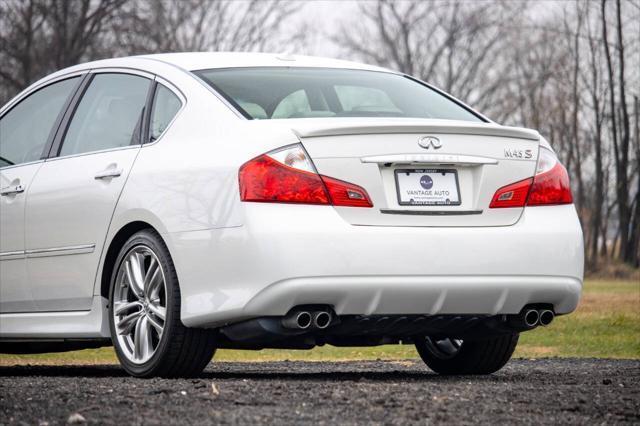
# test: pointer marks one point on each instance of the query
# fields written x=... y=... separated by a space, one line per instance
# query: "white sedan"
x=178 y=203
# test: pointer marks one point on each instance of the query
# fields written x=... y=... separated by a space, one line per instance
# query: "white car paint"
x=15 y=294
x=240 y=260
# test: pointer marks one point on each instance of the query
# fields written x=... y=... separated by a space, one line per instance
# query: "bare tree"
x=620 y=130
x=41 y=36
x=634 y=240
x=576 y=51
x=593 y=85
x=202 y=25
x=453 y=44
x=38 y=36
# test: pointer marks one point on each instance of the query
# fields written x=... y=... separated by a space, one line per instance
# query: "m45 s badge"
x=518 y=153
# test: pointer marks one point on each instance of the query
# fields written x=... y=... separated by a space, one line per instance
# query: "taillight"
x=551 y=183
x=287 y=175
x=549 y=186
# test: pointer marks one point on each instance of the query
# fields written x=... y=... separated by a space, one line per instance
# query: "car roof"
x=205 y=60
x=192 y=61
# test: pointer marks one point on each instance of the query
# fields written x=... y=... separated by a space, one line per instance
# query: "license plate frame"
x=427 y=203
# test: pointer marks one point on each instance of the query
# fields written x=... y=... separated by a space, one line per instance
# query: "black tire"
x=181 y=351
x=482 y=356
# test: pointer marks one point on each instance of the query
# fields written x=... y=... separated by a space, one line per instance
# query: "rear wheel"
x=144 y=314
x=455 y=356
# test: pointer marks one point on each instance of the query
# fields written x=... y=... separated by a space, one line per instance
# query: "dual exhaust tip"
x=321 y=319
x=303 y=320
x=533 y=317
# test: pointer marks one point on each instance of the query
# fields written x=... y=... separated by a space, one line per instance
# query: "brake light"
x=287 y=175
x=549 y=186
x=551 y=183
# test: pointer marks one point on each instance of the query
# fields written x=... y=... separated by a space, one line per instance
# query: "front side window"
x=165 y=106
x=109 y=114
x=25 y=129
x=292 y=92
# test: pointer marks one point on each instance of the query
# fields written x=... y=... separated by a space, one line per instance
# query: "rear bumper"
x=433 y=295
x=285 y=256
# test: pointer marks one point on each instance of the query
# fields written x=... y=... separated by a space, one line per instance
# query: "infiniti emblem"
x=429 y=142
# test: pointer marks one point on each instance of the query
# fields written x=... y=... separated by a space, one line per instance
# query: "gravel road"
x=584 y=391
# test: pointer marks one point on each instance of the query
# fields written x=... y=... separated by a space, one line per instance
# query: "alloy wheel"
x=139 y=304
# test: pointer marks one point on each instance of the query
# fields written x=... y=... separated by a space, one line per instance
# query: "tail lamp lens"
x=514 y=195
x=287 y=175
x=346 y=194
x=551 y=183
x=550 y=186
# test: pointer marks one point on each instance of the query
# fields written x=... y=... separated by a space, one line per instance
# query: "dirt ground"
x=544 y=391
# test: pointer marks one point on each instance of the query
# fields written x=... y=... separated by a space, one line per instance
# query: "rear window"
x=275 y=93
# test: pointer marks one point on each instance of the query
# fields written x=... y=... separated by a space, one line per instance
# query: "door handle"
x=10 y=190
x=108 y=173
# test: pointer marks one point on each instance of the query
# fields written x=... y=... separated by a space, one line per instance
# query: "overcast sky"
x=324 y=17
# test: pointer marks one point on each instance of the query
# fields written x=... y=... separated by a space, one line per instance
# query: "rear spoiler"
x=312 y=129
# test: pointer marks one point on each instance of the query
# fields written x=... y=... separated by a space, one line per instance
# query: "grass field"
x=606 y=324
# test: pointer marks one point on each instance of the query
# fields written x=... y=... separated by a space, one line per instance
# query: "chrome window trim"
x=83 y=154
x=13 y=166
x=29 y=90
x=123 y=70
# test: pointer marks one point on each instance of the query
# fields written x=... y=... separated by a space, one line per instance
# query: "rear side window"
x=109 y=114
x=165 y=106
x=25 y=129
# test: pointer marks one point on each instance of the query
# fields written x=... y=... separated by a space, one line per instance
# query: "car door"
x=23 y=142
x=72 y=198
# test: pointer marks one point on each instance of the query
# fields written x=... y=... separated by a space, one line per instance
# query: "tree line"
x=568 y=69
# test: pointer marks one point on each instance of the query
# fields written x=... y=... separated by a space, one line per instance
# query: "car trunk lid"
x=406 y=165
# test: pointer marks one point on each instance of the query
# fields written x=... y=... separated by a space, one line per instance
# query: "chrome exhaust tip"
x=546 y=317
x=300 y=320
x=322 y=319
x=531 y=318
x=303 y=320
